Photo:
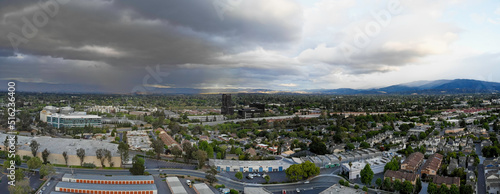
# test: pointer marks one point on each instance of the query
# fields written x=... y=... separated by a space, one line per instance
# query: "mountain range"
x=456 y=86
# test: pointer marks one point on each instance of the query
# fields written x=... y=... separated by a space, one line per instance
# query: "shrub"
x=88 y=165
x=220 y=186
x=26 y=158
x=356 y=186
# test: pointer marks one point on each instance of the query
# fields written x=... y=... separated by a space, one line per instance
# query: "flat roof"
x=253 y=163
x=113 y=178
x=106 y=187
x=175 y=185
x=59 y=145
x=203 y=188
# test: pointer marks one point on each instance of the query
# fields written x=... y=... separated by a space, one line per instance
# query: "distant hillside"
x=457 y=86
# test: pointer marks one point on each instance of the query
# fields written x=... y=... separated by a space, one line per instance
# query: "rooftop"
x=339 y=189
x=203 y=188
x=175 y=185
x=60 y=145
x=438 y=180
x=103 y=187
x=114 y=178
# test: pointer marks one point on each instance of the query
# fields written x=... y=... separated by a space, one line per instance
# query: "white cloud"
x=288 y=85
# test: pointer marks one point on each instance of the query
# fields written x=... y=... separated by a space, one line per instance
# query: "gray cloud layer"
x=257 y=43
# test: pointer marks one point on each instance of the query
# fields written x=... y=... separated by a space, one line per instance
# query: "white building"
x=376 y=164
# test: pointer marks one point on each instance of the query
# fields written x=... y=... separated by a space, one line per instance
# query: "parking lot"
x=275 y=177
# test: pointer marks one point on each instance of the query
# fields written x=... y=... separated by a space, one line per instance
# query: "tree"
x=239 y=175
x=267 y=178
x=398 y=186
x=407 y=187
x=176 y=151
x=188 y=150
x=19 y=173
x=80 y=152
x=465 y=189
x=6 y=164
x=158 y=146
x=46 y=169
x=418 y=185
x=454 y=189
x=123 y=151
x=364 y=145
x=65 y=156
x=295 y=172
x=349 y=146
x=99 y=153
x=366 y=175
x=365 y=189
x=318 y=147
x=432 y=188
x=443 y=189
x=356 y=186
x=387 y=184
x=18 y=160
x=137 y=166
x=34 y=163
x=34 y=145
x=210 y=175
x=107 y=155
x=310 y=169
x=21 y=187
x=201 y=156
x=378 y=182
x=392 y=165
x=301 y=171
x=210 y=151
x=45 y=155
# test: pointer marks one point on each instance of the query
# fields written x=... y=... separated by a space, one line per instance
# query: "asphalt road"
x=481 y=182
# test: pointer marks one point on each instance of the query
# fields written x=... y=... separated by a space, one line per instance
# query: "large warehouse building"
x=56 y=146
x=251 y=165
x=101 y=179
x=100 y=184
x=175 y=185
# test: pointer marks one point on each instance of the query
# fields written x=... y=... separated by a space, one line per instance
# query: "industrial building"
x=175 y=185
x=102 y=179
x=100 y=184
x=251 y=165
x=333 y=160
x=202 y=188
x=376 y=164
x=56 y=146
x=106 y=188
x=339 y=189
x=139 y=140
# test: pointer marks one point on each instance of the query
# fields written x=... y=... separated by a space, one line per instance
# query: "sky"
x=128 y=46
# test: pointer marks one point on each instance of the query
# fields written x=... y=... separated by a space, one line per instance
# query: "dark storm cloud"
x=137 y=33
